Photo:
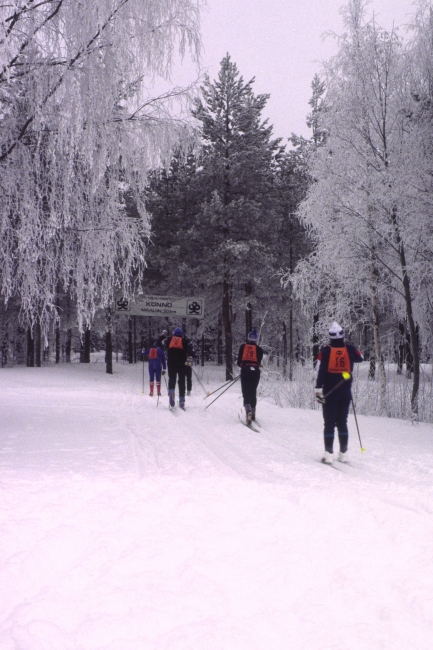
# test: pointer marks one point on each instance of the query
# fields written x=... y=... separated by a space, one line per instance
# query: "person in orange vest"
x=177 y=354
x=334 y=389
x=157 y=363
x=249 y=361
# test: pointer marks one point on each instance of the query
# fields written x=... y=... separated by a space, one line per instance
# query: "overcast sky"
x=280 y=43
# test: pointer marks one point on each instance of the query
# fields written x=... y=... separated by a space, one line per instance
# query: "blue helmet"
x=253 y=336
x=178 y=332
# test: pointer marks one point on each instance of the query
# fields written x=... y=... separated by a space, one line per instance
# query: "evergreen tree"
x=224 y=222
x=238 y=165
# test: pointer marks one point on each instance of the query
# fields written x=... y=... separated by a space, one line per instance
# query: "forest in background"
x=116 y=195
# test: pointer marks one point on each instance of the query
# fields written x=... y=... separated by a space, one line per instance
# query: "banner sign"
x=162 y=306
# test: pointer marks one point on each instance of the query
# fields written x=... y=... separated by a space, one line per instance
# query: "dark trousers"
x=335 y=412
x=176 y=371
x=250 y=377
x=188 y=375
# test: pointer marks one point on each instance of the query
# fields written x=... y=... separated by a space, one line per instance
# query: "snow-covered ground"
x=125 y=526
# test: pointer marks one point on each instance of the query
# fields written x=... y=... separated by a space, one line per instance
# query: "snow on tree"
x=79 y=131
x=361 y=202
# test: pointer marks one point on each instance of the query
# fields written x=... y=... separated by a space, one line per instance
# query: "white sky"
x=280 y=43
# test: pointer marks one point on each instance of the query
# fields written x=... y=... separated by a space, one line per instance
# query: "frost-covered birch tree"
x=359 y=205
x=418 y=178
x=79 y=131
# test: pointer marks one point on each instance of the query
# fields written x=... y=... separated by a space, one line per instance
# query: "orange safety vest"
x=250 y=353
x=339 y=360
x=176 y=342
x=153 y=354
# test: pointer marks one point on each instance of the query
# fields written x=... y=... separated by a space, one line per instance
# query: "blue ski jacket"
x=160 y=358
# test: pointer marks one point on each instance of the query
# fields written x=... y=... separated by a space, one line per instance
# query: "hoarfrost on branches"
x=79 y=132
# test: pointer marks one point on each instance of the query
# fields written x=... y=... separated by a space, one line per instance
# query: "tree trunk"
x=248 y=310
x=68 y=345
x=57 y=343
x=220 y=342
x=315 y=339
x=85 y=347
x=372 y=368
x=291 y=341
x=227 y=317
x=284 y=349
x=408 y=357
x=5 y=345
x=38 y=345
x=30 y=349
x=401 y=348
x=376 y=335
x=134 y=321
x=109 y=345
x=149 y=329
x=130 y=357
x=409 y=313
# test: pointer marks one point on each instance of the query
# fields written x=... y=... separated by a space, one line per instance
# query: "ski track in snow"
x=124 y=526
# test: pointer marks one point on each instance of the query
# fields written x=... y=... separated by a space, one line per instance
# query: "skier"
x=333 y=390
x=157 y=363
x=177 y=354
x=249 y=359
x=188 y=368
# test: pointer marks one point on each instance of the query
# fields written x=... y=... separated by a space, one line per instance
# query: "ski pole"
x=199 y=381
x=143 y=378
x=357 y=427
x=222 y=386
x=346 y=376
x=233 y=382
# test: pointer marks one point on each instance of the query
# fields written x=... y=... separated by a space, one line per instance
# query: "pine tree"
x=238 y=164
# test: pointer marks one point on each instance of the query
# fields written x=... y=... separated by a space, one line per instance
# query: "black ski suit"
x=177 y=353
x=249 y=359
x=329 y=375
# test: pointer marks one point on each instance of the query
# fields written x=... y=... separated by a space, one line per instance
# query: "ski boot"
x=182 y=403
x=171 y=398
x=328 y=458
x=249 y=413
x=253 y=415
x=158 y=389
x=151 y=390
x=343 y=457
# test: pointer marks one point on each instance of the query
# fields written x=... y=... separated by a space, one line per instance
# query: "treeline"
x=369 y=204
x=281 y=238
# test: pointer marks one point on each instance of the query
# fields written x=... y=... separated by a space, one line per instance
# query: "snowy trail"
x=124 y=526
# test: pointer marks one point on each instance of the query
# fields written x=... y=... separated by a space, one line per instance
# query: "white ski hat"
x=336 y=331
